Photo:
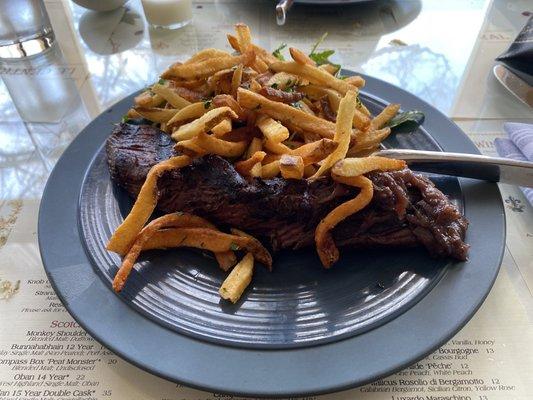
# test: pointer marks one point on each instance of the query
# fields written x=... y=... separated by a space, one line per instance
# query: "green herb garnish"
x=277 y=53
x=322 y=57
x=162 y=81
x=406 y=122
x=274 y=86
x=125 y=119
x=234 y=246
x=207 y=103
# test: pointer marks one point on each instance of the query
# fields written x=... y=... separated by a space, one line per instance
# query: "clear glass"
x=41 y=87
x=25 y=29
x=170 y=14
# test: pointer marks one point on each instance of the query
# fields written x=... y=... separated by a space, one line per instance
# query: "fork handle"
x=493 y=169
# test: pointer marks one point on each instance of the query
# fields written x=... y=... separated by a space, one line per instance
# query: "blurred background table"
x=442 y=51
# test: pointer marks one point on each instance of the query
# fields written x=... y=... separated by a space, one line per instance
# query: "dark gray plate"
x=374 y=313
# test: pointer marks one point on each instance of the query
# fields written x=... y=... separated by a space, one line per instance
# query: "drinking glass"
x=25 y=28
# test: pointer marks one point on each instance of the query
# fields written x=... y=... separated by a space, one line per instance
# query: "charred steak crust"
x=407 y=209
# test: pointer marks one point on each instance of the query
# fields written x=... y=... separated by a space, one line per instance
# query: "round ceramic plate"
x=298 y=330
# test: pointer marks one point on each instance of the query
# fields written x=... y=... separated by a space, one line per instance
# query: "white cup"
x=170 y=14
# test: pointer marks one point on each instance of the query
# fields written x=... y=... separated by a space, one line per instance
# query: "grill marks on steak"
x=407 y=209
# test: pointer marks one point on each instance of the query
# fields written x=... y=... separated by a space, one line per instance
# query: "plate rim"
x=297 y=375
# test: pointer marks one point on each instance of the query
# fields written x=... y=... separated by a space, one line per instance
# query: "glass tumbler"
x=25 y=28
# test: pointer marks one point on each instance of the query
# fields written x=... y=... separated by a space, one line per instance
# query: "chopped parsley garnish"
x=274 y=86
x=277 y=53
x=234 y=246
x=162 y=81
x=207 y=103
x=125 y=118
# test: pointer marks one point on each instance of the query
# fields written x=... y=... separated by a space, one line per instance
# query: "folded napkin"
x=519 y=146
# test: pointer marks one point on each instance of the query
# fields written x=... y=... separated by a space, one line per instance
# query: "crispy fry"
x=236 y=80
x=270 y=170
x=355 y=80
x=221 y=147
x=343 y=132
x=300 y=57
x=273 y=130
x=215 y=241
x=222 y=128
x=371 y=138
x=329 y=68
x=156 y=114
x=148 y=100
x=205 y=68
x=192 y=111
x=222 y=100
x=384 y=116
x=291 y=167
x=204 y=123
x=267 y=57
x=255 y=145
x=133 y=114
x=225 y=259
x=276 y=147
x=201 y=238
x=283 y=112
x=361 y=120
x=327 y=251
x=170 y=95
x=244 y=36
x=125 y=234
x=313 y=152
x=190 y=147
x=314 y=75
x=255 y=86
x=244 y=167
x=162 y=240
x=284 y=80
x=360 y=166
x=302 y=105
x=238 y=280
x=207 y=54
x=256 y=170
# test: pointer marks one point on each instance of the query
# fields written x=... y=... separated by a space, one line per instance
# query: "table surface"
x=441 y=51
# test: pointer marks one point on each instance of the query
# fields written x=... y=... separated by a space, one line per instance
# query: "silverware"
x=281 y=11
x=493 y=169
x=514 y=84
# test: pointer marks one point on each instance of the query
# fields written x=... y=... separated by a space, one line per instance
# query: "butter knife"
x=493 y=169
x=514 y=84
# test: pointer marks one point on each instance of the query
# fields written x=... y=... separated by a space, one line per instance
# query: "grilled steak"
x=407 y=209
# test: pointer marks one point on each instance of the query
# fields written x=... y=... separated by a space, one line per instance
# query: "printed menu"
x=44 y=354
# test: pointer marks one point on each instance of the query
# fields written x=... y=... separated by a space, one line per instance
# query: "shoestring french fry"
x=214 y=145
x=203 y=124
x=291 y=167
x=385 y=116
x=170 y=95
x=300 y=57
x=238 y=280
x=343 y=133
x=326 y=248
x=157 y=114
x=283 y=112
x=314 y=75
x=125 y=234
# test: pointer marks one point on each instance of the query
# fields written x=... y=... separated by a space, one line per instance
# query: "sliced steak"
x=407 y=209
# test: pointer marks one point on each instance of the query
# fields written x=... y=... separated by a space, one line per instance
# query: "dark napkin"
x=519 y=57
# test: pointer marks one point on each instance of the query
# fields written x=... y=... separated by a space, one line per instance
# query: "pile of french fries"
x=293 y=119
